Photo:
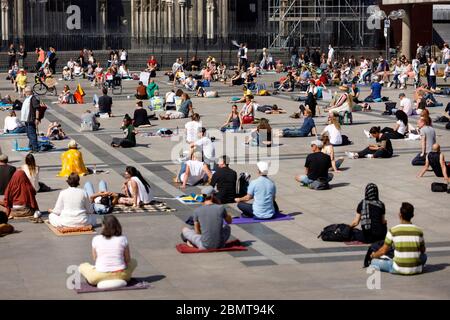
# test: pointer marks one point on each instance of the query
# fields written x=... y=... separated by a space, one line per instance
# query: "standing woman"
x=371 y=213
x=136 y=189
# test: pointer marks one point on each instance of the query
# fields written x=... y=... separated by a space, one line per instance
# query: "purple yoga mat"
x=133 y=284
x=277 y=217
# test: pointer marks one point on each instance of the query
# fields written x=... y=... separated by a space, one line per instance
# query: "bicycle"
x=41 y=88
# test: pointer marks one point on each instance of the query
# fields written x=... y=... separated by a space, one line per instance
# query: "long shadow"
x=295 y=214
x=247 y=243
x=430 y=268
x=338 y=185
x=151 y=279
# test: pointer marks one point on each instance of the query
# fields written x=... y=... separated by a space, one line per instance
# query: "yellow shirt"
x=72 y=161
x=21 y=80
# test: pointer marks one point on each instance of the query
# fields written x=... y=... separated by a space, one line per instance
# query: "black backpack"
x=241 y=52
x=336 y=232
x=439 y=187
x=243 y=182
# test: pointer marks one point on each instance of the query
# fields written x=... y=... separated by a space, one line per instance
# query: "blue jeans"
x=293 y=133
x=307 y=181
x=102 y=187
x=17 y=130
x=388 y=265
x=32 y=136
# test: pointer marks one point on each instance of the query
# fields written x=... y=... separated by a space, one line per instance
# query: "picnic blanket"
x=233 y=245
x=155 y=207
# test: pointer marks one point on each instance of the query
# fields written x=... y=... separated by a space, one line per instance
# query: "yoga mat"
x=277 y=217
x=158 y=207
x=133 y=284
x=187 y=201
x=234 y=245
x=60 y=234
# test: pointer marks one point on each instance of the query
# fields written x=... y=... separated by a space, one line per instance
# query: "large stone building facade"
x=132 y=23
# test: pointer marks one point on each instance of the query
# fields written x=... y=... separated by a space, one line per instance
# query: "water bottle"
x=15 y=145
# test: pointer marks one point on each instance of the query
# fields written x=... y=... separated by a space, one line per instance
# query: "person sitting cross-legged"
x=383 y=148
x=209 y=230
x=263 y=192
x=308 y=127
x=111 y=253
x=194 y=171
x=225 y=179
x=316 y=166
x=409 y=244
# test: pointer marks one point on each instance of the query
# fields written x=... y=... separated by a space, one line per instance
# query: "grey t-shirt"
x=88 y=118
x=430 y=137
x=211 y=222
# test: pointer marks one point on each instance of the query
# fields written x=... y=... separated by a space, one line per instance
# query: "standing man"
x=427 y=139
x=11 y=55
x=330 y=55
x=22 y=54
x=30 y=116
x=243 y=56
x=433 y=73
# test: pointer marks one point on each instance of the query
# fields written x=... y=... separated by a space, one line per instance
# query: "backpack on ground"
x=439 y=187
x=336 y=232
x=211 y=94
x=243 y=182
x=389 y=106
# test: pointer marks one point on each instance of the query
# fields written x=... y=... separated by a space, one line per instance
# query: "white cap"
x=263 y=167
x=318 y=143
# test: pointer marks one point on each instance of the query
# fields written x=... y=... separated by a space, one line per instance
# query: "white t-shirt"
x=196 y=172
x=406 y=106
x=207 y=148
x=73 y=207
x=110 y=253
x=402 y=128
x=144 y=196
x=11 y=123
x=123 y=56
x=433 y=69
x=170 y=97
x=446 y=53
x=334 y=134
x=192 y=129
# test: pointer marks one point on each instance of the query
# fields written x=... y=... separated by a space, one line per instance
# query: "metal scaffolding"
x=317 y=23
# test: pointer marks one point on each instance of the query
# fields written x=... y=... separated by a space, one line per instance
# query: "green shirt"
x=129 y=134
x=408 y=243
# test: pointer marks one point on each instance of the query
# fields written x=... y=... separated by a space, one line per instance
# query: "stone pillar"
x=133 y=18
x=182 y=5
x=5 y=21
x=169 y=4
x=144 y=20
x=103 y=11
x=210 y=19
x=224 y=16
x=406 y=32
x=19 y=20
x=200 y=18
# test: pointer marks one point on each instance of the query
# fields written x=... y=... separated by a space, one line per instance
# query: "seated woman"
x=183 y=112
x=308 y=127
x=109 y=77
x=344 y=103
x=20 y=197
x=123 y=72
x=111 y=253
x=236 y=79
x=129 y=133
x=207 y=74
x=32 y=171
x=190 y=83
x=13 y=124
x=436 y=160
x=66 y=96
x=193 y=171
x=383 y=148
x=140 y=117
x=371 y=213
x=73 y=208
x=400 y=129
x=334 y=132
x=247 y=113
x=233 y=121
x=253 y=70
x=136 y=191
x=329 y=150
x=77 y=70
x=262 y=135
x=72 y=161
x=67 y=74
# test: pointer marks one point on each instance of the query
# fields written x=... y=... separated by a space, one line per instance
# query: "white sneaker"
x=37 y=214
x=367 y=133
x=369 y=156
x=350 y=155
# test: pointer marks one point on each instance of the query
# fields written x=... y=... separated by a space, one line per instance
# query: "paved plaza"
x=285 y=260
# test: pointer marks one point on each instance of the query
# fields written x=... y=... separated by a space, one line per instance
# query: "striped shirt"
x=408 y=243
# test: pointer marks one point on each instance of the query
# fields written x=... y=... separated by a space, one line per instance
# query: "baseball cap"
x=263 y=167
x=318 y=143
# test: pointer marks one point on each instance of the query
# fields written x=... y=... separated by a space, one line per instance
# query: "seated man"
x=141 y=92
x=383 y=148
x=316 y=166
x=375 y=91
x=209 y=230
x=13 y=124
x=102 y=201
x=224 y=178
x=194 y=171
x=6 y=172
x=308 y=127
x=105 y=103
x=156 y=102
x=263 y=192
x=89 y=121
x=407 y=239
x=436 y=160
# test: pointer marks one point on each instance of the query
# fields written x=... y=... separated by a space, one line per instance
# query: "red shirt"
x=152 y=62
